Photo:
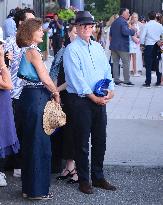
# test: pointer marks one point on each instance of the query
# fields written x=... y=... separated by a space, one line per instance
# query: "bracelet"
x=54 y=93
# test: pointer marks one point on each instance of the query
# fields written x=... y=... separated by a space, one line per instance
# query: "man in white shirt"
x=150 y=35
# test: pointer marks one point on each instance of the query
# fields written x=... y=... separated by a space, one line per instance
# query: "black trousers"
x=88 y=118
x=56 y=43
x=148 y=58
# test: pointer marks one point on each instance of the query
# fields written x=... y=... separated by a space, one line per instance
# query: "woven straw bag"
x=53 y=117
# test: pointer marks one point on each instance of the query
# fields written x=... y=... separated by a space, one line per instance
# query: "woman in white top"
x=136 y=57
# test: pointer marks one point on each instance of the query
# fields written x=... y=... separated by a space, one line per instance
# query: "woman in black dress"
x=66 y=132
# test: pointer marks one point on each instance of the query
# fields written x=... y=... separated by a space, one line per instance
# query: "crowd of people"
x=86 y=66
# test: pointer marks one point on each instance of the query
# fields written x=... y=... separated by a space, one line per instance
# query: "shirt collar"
x=84 y=42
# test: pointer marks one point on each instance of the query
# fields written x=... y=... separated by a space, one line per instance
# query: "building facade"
x=7 y=5
x=39 y=8
x=143 y=7
x=79 y=4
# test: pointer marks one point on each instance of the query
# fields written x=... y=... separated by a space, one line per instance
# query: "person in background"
x=11 y=46
x=36 y=145
x=107 y=41
x=67 y=148
x=139 y=62
x=49 y=33
x=9 y=143
x=107 y=32
x=150 y=35
x=133 y=43
x=85 y=63
x=9 y=26
x=120 y=32
x=56 y=25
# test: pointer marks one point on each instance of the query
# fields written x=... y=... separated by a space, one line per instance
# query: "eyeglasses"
x=87 y=25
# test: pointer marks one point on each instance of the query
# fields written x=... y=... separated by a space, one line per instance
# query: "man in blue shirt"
x=119 y=45
x=85 y=64
x=9 y=26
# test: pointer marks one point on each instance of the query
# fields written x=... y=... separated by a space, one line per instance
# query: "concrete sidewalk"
x=135 y=127
x=135 y=186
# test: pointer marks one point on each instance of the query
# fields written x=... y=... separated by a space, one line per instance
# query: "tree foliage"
x=103 y=9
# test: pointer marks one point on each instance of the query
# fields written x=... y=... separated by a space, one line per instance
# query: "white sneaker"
x=17 y=173
x=2 y=179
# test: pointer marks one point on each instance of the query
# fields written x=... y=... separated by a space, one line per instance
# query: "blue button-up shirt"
x=11 y=45
x=84 y=65
x=9 y=27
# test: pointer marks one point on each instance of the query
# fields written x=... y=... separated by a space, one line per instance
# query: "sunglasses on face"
x=87 y=25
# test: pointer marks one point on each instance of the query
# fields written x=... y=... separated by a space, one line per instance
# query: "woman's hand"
x=2 y=61
x=56 y=96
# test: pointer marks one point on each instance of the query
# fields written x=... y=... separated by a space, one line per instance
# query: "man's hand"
x=101 y=100
x=110 y=94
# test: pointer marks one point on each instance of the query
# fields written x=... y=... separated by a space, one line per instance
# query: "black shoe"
x=129 y=84
x=146 y=85
x=66 y=176
x=103 y=184
x=132 y=72
x=118 y=82
x=157 y=85
x=85 y=187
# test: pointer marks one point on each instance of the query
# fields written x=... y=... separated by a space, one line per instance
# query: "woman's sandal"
x=46 y=197
x=61 y=177
x=73 y=181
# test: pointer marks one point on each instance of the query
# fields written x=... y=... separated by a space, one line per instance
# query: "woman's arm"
x=35 y=58
x=135 y=39
x=62 y=87
x=5 y=78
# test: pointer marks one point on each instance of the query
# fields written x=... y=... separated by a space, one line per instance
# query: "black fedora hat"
x=84 y=17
